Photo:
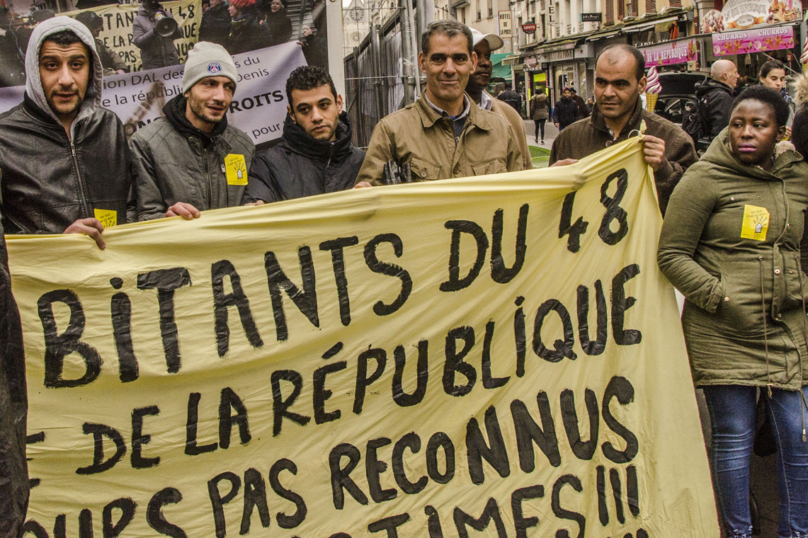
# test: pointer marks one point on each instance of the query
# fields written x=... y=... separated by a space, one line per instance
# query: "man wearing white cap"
x=484 y=45
x=192 y=160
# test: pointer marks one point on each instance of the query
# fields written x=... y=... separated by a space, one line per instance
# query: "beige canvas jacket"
x=419 y=135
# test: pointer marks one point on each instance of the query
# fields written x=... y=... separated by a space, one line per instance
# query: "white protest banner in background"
x=258 y=107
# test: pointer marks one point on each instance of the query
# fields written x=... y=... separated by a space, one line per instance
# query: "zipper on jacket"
x=82 y=194
x=330 y=156
x=208 y=187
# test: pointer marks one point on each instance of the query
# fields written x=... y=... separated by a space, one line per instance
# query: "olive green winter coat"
x=730 y=244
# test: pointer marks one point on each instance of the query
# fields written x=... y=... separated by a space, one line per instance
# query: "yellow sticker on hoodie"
x=107 y=217
x=755 y=223
x=236 y=169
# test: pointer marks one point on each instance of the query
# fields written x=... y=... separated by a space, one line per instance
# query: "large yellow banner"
x=496 y=356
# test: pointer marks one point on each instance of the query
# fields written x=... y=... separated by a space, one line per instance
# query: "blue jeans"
x=732 y=413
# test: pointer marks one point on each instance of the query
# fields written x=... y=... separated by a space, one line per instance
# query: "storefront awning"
x=499 y=70
x=642 y=27
x=603 y=35
x=760 y=39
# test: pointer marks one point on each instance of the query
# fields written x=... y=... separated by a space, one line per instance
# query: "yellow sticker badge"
x=236 y=169
x=755 y=222
x=107 y=217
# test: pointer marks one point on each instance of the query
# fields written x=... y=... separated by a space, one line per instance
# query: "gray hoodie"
x=33 y=86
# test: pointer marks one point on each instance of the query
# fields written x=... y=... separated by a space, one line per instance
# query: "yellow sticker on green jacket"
x=755 y=222
x=236 y=169
x=107 y=217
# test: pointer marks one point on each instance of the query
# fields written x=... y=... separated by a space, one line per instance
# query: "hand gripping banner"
x=495 y=356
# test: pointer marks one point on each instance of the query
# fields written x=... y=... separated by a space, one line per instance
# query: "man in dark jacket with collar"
x=192 y=160
x=315 y=154
x=65 y=163
x=618 y=114
x=716 y=94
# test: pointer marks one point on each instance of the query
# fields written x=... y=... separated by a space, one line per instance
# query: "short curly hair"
x=767 y=96
x=308 y=77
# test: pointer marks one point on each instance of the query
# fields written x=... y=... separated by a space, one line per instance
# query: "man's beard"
x=198 y=109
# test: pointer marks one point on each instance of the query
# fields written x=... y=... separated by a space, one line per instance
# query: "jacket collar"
x=297 y=140
x=429 y=116
x=720 y=153
x=597 y=121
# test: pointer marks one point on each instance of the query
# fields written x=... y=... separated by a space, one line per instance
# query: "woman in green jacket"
x=730 y=244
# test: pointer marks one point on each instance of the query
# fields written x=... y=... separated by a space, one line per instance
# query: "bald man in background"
x=716 y=94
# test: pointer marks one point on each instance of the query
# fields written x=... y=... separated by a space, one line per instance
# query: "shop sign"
x=678 y=52
x=744 y=14
x=505 y=29
x=591 y=17
x=529 y=27
x=755 y=40
x=561 y=55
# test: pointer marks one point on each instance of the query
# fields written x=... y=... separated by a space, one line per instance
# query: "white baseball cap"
x=494 y=41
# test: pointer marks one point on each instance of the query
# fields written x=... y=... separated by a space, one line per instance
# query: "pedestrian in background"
x=773 y=76
x=246 y=33
x=156 y=50
x=277 y=22
x=512 y=98
x=730 y=244
x=582 y=108
x=799 y=137
x=565 y=111
x=215 y=25
x=541 y=112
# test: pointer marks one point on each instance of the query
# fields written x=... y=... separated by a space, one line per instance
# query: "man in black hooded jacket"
x=315 y=154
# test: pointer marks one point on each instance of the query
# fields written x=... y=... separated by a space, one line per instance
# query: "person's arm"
x=261 y=185
x=555 y=113
x=679 y=156
x=689 y=209
x=140 y=37
x=379 y=152
x=150 y=203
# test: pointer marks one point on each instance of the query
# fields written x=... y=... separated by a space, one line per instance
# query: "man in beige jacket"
x=484 y=45
x=444 y=134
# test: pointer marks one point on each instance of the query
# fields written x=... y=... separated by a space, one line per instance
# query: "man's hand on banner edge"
x=362 y=185
x=564 y=162
x=255 y=203
x=653 y=150
x=91 y=227
x=184 y=210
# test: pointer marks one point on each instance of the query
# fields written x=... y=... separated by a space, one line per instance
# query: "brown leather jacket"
x=420 y=136
x=591 y=134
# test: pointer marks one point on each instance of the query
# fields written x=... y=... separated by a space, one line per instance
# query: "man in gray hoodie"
x=65 y=160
